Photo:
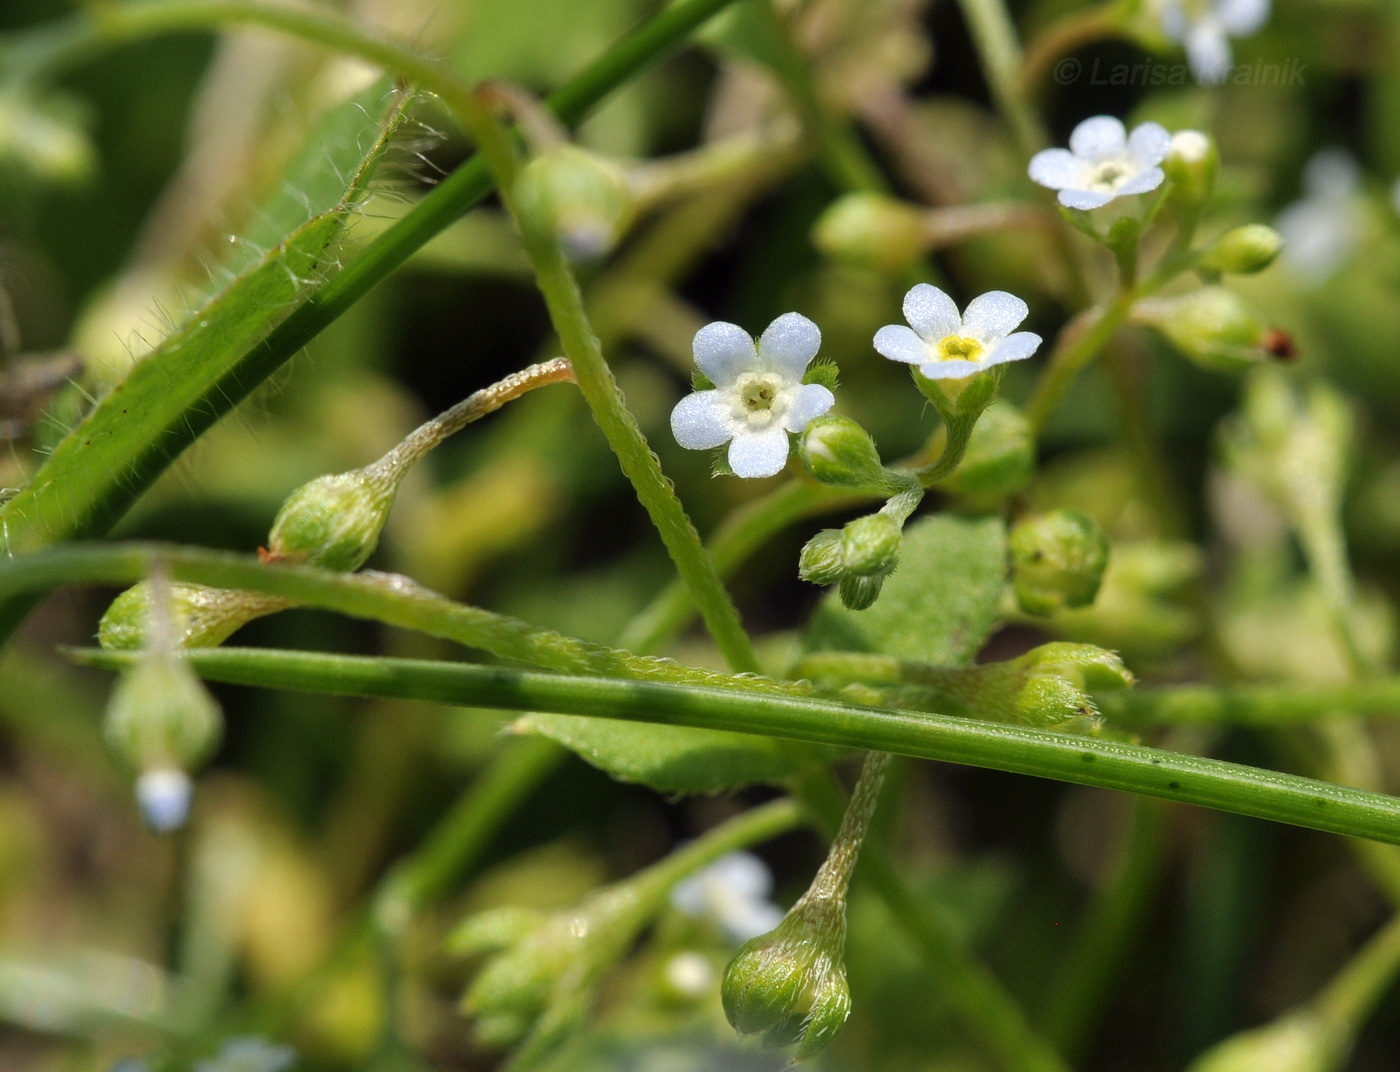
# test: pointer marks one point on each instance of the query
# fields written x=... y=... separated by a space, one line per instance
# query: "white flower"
x=732 y=892
x=759 y=396
x=1103 y=162
x=164 y=794
x=947 y=346
x=1320 y=230
x=1205 y=28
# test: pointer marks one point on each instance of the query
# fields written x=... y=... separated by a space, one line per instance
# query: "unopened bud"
x=838 y=451
x=821 y=558
x=870 y=545
x=164 y=795
x=789 y=985
x=1057 y=560
x=1000 y=456
x=201 y=616
x=873 y=231
x=858 y=593
x=1209 y=326
x=583 y=198
x=1244 y=250
x=334 y=521
x=1191 y=165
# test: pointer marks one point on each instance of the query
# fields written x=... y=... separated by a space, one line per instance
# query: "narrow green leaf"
x=940 y=605
x=139 y=426
x=669 y=759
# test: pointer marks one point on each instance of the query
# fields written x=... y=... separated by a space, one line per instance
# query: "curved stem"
x=1211 y=783
x=1079 y=343
x=1060 y=38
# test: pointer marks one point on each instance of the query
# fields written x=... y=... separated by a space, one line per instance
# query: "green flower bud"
x=585 y=200
x=789 y=985
x=858 y=593
x=1000 y=456
x=1191 y=166
x=162 y=721
x=202 y=617
x=821 y=558
x=873 y=231
x=1244 y=250
x=1057 y=560
x=46 y=138
x=334 y=521
x=838 y=451
x=1300 y=1042
x=1209 y=326
x=870 y=545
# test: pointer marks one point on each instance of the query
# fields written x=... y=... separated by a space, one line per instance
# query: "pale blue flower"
x=948 y=345
x=1103 y=162
x=733 y=893
x=1204 y=28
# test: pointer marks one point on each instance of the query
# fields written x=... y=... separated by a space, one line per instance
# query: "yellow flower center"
x=961 y=348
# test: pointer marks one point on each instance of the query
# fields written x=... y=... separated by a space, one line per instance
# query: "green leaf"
x=938 y=607
x=137 y=427
x=669 y=759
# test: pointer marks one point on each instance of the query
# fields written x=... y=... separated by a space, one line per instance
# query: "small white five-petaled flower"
x=733 y=893
x=946 y=345
x=1205 y=27
x=1102 y=162
x=759 y=396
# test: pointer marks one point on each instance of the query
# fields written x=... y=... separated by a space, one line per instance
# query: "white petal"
x=1174 y=22
x=724 y=351
x=930 y=312
x=1016 y=347
x=951 y=370
x=164 y=795
x=1149 y=144
x=1142 y=182
x=1208 y=49
x=691 y=896
x=1241 y=17
x=899 y=343
x=810 y=401
x=789 y=343
x=993 y=315
x=1059 y=169
x=742 y=874
x=1085 y=199
x=745 y=920
x=1098 y=138
x=701 y=420
x=755 y=454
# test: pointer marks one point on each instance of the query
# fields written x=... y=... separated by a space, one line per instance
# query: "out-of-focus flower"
x=758 y=397
x=249 y=1055
x=1321 y=230
x=733 y=892
x=1103 y=162
x=948 y=345
x=1204 y=28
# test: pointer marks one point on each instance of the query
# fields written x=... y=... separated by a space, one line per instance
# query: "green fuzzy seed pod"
x=1211 y=327
x=789 y=986
x=1244 y=250
x=333 y=522
x=872 y=231
x=203 y=617
x=584 y=199
x=838 y=451
x=162 y=717
x=1000 y=456
x=870 y=545
x=1058 y=560
x=821 y=558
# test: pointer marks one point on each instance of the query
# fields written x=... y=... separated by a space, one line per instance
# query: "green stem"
x=1188 y=779
x=604 y=397
x=435 y=211
x=1350 y=997
x=1079 y=343
x=1060 y=38
x=994 y=36
x=1250 y=705
x=834 y=876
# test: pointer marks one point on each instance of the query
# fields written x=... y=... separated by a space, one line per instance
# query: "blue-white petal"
x=899 y=343
x=993 y=315
x=1059 y=169
x=931 y=313
x=1098 y=138
x=1084 y=199
x=1149 y=144
x=758 y=454
x=810 y=401
x=1149 y=179
x=1015 y=347
x=789 y=343
x=951 y=370
x=701 y=420
x=724 y=352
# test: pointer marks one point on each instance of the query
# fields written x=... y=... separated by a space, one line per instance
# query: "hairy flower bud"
x=789 y=985
x=873 y=231
x=1244 y=250
x=201 y=616
x=821 y=562
x=838 y=451
x=857 y=592
x=1191 y=165
x=334 y=521
x=1057 y=560
x=1210 y=326
x=583 y=198
x=870 y=545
